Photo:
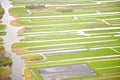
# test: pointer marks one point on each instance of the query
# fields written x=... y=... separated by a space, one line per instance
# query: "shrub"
x=5 y=61
x=35 y=6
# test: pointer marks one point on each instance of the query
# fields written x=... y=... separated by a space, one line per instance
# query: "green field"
x=65 y=34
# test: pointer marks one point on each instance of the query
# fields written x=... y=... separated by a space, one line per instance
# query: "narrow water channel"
x=10 y=38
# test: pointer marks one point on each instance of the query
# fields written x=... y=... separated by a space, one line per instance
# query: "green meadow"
x=61 y=34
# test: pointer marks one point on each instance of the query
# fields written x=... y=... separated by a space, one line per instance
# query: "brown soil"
x=100 y=22
x=15 y=23
x=5 y=26
x=19 y=50
x=21 y=31
x=12 y=14
x=31 y=62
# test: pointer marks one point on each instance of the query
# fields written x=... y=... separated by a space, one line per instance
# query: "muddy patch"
x=19 y=50
x=15 y=23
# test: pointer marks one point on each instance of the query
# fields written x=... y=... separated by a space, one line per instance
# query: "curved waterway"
x=10 y=38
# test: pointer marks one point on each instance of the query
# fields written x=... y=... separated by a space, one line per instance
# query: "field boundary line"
x=108 y=67
x=72 y=15
x=115 y=50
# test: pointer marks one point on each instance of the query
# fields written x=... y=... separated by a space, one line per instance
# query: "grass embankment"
x=32 y=58
x=94 y=53
x=2 y=27
x=2 y=32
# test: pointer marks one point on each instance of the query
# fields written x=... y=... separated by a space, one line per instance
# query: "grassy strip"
x=20 y=45
x=114 y=21
x=16 y=2
x=54 y=13
x=102 y=31
x=2 y=33
x=32 y=57
x=2 y=27
x=118 y=49
x=5 y=61
x=94 y=17
x=28 y=75
x=54 y=35
x=35 y=70
x=4 y=70
x=98 y=77
x=100 y=52
x=27 y=23
x=19 y=11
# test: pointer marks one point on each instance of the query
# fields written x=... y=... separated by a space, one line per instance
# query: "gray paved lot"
x=61 y=72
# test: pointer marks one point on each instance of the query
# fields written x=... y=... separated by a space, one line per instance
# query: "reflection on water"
x=10 y=38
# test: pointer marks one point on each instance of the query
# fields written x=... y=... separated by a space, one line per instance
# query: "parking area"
x=62 y=72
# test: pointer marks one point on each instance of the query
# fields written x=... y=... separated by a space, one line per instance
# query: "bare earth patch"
x=21 y=31
x=19 y=50
x=13 y=14
x=15 y=23
x=63 y=72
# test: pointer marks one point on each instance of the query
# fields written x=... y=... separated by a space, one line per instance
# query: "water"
x=9 y=39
